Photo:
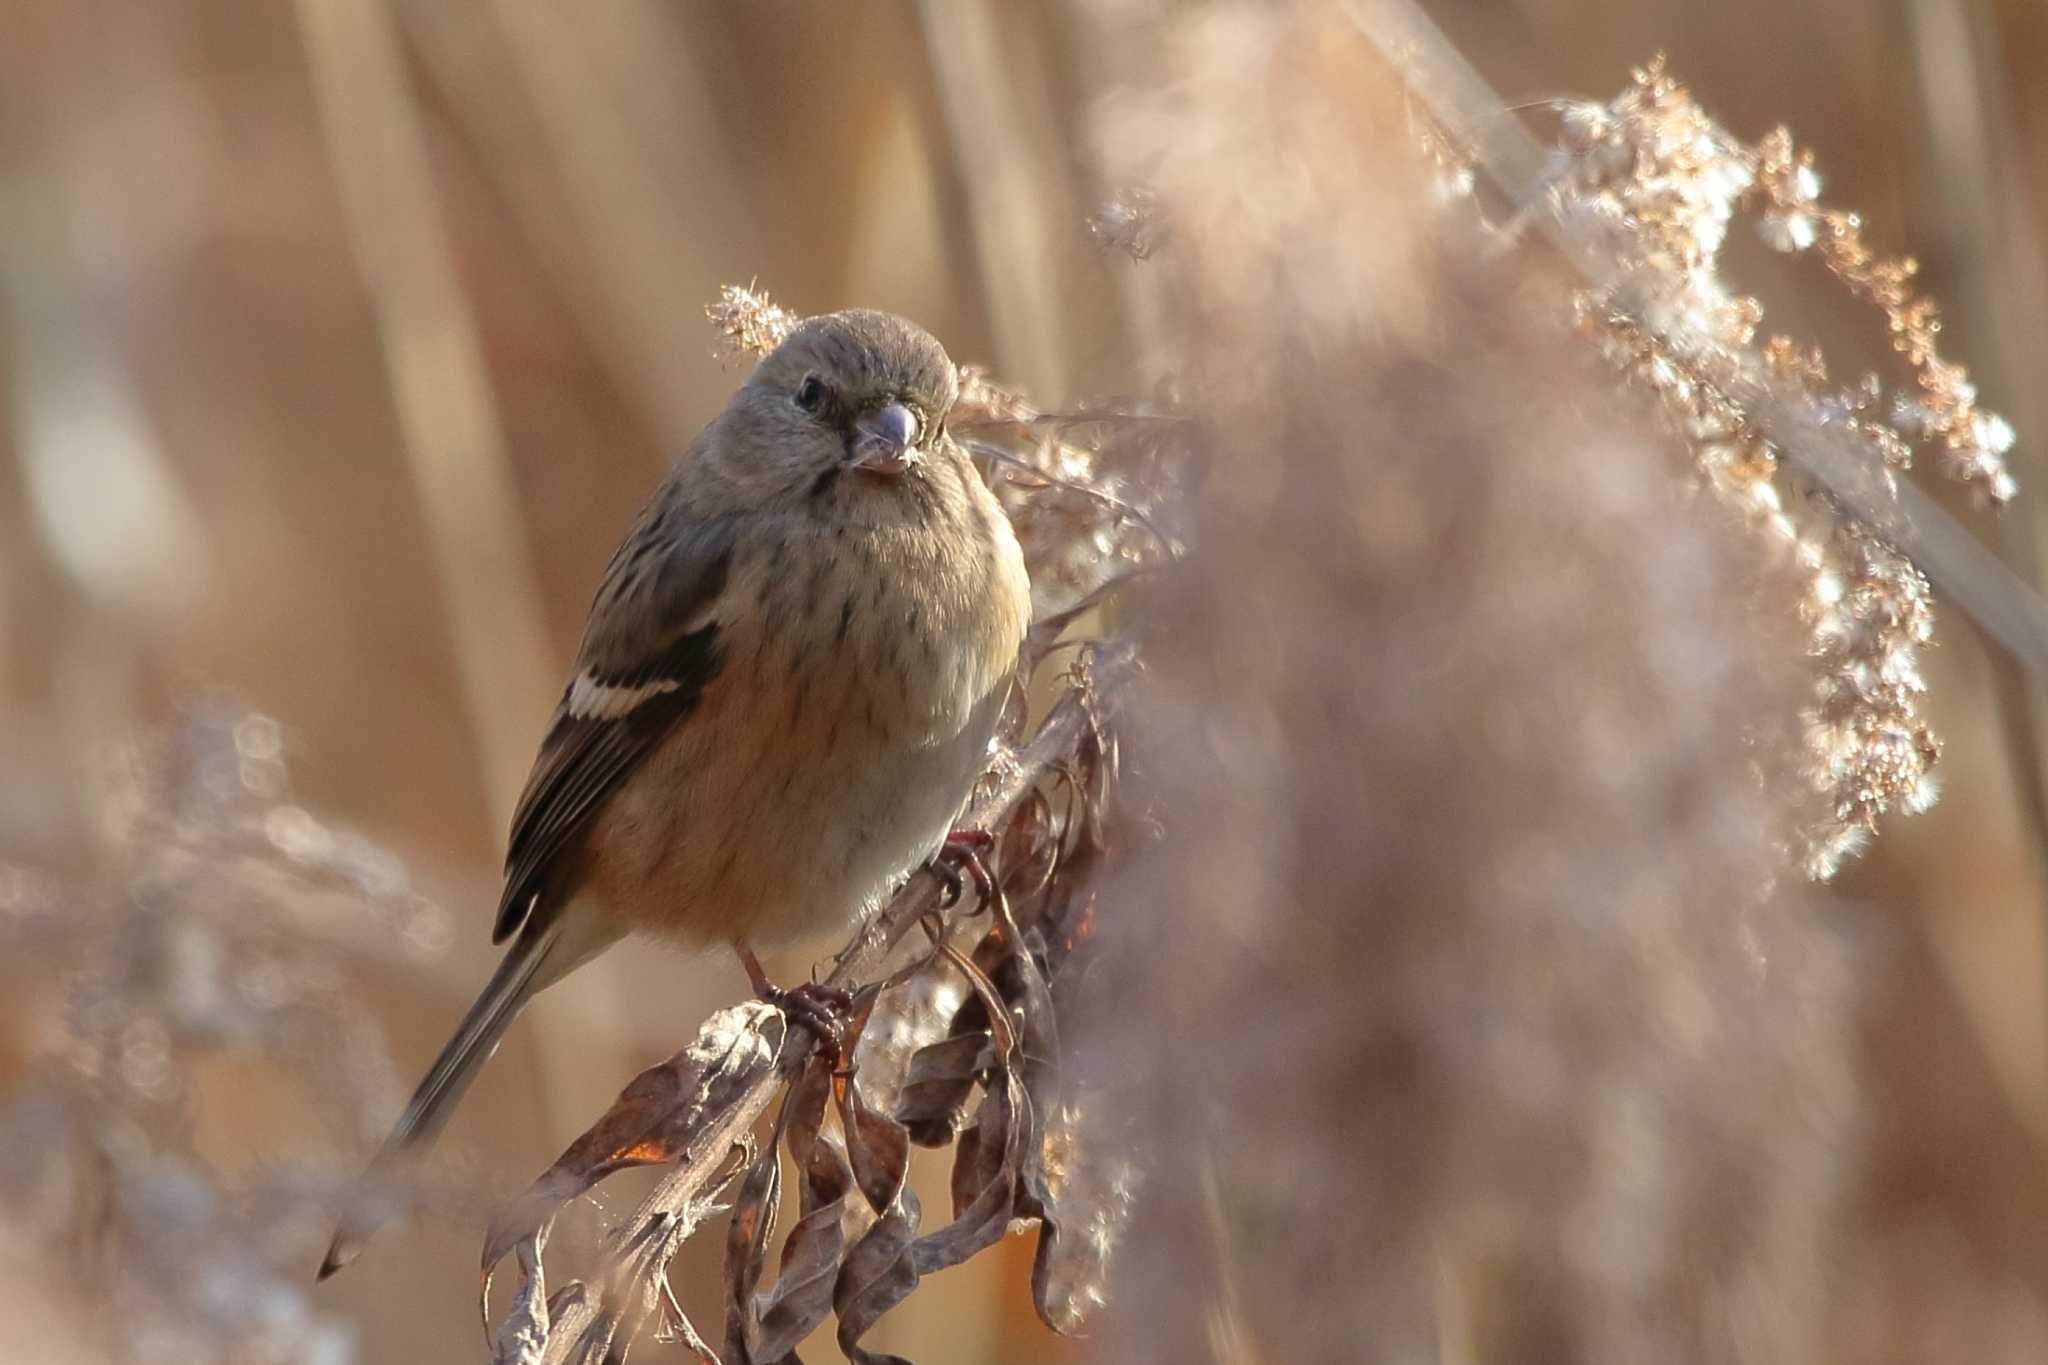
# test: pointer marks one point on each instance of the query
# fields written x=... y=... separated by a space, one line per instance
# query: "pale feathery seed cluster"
x=1943 y=416
x=1667 y=181
x=751 y=325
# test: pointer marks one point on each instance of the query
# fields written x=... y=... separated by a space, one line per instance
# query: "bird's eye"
x=810 y=395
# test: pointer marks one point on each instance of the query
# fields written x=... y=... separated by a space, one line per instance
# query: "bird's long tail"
x=542 y=955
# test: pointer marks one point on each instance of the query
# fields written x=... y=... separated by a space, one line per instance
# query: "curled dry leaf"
x=775 y=1321
x=998 y=1169
x=880 y=1272
x=877 y=1273
x=877 y=1145
x=942 y=1078
x=746 y=1238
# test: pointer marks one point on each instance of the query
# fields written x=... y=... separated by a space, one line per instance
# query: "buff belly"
x=812 y=824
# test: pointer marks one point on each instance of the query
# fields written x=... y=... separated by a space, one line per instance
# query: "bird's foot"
x=963 y=855
x=820 y=1010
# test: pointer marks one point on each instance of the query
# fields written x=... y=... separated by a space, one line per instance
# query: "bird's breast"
x=895 y=632
x=861 y=680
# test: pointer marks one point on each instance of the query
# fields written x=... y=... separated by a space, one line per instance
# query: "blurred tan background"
x=341 y=340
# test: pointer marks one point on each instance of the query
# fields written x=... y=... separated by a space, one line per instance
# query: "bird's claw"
x=822 y=1011
x=965 y=854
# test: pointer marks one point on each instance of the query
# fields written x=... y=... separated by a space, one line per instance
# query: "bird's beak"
x=885 y=440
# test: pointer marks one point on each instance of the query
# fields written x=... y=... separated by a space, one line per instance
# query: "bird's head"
x=849 y=401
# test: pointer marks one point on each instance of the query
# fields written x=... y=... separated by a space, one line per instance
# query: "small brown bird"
x=788 y=684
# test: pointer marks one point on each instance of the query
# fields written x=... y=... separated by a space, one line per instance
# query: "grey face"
x=856 y=393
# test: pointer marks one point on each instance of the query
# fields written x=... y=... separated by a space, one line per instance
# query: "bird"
x=788 y=684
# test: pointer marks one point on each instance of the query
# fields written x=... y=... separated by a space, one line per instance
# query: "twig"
x=1014 y=465
x=1046 y=631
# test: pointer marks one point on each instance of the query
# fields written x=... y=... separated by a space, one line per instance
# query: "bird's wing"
x=651 y=646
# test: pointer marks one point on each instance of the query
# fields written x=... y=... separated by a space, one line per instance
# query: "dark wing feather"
x=644 y=633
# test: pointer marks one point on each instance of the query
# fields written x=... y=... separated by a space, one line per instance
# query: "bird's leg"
x=820 y=1009
x=965 y=850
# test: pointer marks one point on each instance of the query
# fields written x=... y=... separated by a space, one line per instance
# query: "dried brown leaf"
x=801 y=1296
x=941 y=1080
x=880 y=1272
x=766 y=1326
x=985 y=1171
x=876 y=1144
x=746 y=1240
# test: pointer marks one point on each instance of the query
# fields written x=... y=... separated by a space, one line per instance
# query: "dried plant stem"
x=1023 y=471
x=1003 y=153
x=433 y=360
x=606 y=178
x=1970 y=116
x=640 y=1247
x=448 y=419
